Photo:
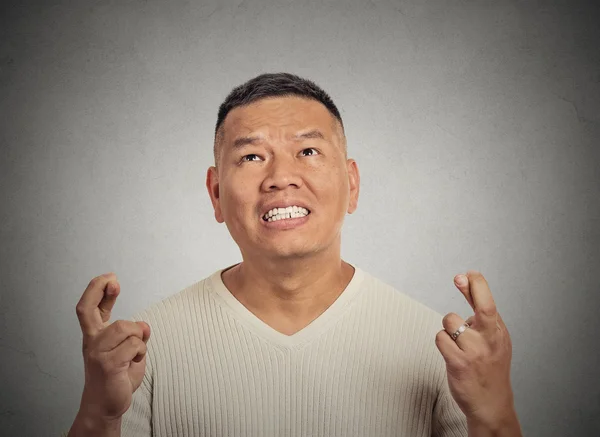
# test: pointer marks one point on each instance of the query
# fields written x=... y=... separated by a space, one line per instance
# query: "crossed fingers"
x=483 y=325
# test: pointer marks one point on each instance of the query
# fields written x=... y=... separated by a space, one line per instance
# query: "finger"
x=146 y=330
x=87 y=310
x=448 y=348
x=462 y=283
x=131 y=349
x=485 y=307
x=107 y=303
x=466 y=340
x=117 y=332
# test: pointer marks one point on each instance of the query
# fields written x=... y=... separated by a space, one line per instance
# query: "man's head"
x=279 y=142
x=273 y=85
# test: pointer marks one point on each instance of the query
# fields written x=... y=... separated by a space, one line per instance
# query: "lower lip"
x=284 y=224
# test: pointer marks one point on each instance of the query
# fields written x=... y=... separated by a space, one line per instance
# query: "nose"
x=281 y=174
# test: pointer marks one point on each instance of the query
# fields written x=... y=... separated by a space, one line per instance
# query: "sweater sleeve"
x=448 y=418
x=137 y=420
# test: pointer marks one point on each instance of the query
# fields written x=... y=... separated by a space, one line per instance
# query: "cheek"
x=237 y=200
x=332 y=184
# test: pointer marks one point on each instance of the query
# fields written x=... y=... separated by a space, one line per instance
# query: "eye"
x=309 y=152
x=250 y=157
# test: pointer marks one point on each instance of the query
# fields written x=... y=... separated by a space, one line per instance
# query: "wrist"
x=505 y=424
x=93 y=411
x=90 y=424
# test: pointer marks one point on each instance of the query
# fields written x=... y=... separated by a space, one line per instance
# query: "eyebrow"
x=312 y=134
x=244 y=141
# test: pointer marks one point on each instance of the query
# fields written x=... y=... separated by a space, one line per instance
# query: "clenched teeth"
x=285 y=213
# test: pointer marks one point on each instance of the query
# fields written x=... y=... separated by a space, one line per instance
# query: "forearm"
x=86 y=426
x=508 y=426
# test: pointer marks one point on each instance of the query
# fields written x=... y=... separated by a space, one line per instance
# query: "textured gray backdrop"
x=475 y=125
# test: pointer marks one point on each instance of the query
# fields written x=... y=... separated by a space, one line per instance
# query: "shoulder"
x=176 y=306
x=406 y=329
x=397 y=305
x=387 y=293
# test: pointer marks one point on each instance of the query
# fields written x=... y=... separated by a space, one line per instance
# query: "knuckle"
x=120 y=327
x=79 y=310
x=462 y=364
x=488 y=310
x=133 y=344
x=476 y=355
x=140 y=346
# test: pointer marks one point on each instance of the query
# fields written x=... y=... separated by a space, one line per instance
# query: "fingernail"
x=461 y=280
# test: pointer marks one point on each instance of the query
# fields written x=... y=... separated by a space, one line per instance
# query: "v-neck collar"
x=330 y=315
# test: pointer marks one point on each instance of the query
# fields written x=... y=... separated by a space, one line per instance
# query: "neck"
x=291 y=291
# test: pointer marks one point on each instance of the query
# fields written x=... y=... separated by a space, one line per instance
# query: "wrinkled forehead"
x=279 y=117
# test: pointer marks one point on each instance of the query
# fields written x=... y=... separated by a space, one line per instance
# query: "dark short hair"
x=274 y=85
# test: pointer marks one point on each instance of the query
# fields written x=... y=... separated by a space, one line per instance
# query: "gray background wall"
x=475 y=125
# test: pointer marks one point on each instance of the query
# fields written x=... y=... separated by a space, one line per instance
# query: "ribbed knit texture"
x=368 y=366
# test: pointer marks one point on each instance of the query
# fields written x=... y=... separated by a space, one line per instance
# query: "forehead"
x=278 y=114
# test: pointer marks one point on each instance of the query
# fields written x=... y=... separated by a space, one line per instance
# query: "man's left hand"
x=478 y=362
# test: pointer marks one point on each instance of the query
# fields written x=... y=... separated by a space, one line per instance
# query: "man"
x=292 y=341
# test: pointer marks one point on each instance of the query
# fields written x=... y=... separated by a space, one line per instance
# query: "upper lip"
x=282 y=204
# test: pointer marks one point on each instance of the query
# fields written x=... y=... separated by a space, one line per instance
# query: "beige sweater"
x=368 y=366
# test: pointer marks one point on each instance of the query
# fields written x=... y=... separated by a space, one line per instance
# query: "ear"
x=354 y=184
x=212 y=185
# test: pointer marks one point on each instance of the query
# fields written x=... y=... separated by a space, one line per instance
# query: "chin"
x=289 y=251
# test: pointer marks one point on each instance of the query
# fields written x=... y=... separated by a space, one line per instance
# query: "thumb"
x=146 y=330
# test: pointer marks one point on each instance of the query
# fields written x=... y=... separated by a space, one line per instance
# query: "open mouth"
x=285 y=213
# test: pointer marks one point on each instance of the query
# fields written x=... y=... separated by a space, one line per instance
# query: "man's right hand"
x=114 y=354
